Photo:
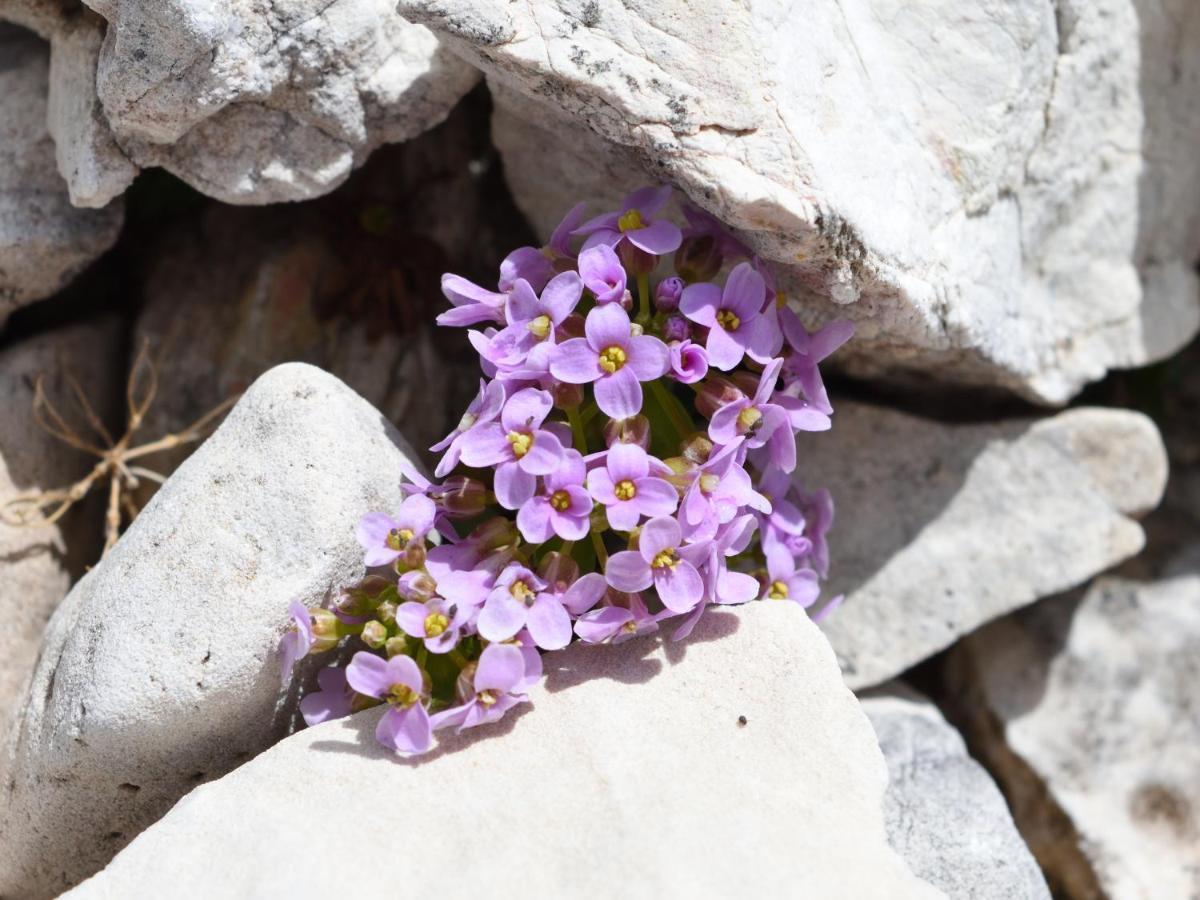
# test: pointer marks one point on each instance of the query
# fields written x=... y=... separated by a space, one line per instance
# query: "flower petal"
x=607 y=325
x=513 y=485
x=648 y=357
x=561 y=295
x=526 y=409
x=724 y=350
x=659 y=534
x=533 y=520
x=619 y=395
x=647 y=200
x=657 y=238
x=575 y=362
x=501 y=617
x=584 y=593
x=700 y=303
x=599 y=625
x=544 y=454
x=656 y=497
x=679 y=588
x=409 y=730
x=549 y=623
x=485 y=445
x=627 y=462
x=411 y=618
x=501 y=668
x=368 y=674
x=745 y=292
x=627 y=571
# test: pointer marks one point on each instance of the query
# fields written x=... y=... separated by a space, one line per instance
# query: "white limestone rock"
x=630 y=776
x=941 y=528
x=945 y=816
x=998 y=193
x=1086 y=710
x=37 y=564
x=44 y=241
x=160 y=667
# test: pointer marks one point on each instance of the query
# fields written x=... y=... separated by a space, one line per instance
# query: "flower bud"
x=698 y=258
x=495 y=534
x=558 y=570
x=667 y=294
x=418 y=586
x=362 y=598
x=714 y=393
x=325 y=626
x=683 y=471
x=395 y=646
x=463 y=497
x=634 y=430
x=627 y=301
x=374 y=635
x=635 y=260
x=414 y=555
x=598 y=519
x=676 y=328
x=464 y=684
x=387 y=612
x=567 y=396
x=698 y=449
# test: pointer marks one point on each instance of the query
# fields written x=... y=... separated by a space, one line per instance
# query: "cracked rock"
x=159 y=669
x=1003 y=195
x=941 y=528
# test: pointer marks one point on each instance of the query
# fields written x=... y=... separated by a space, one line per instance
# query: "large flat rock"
x=1001 y=194
x=941 y=528
x=159 y=669
x=631 y=776
x=1085 y=708
x=945 y=816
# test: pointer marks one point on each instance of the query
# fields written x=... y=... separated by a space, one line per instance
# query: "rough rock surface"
x=249 y=103
x=941 y=528
x=37 y=564
x=999 y=193
x=944 y=815
x=44 y=241
x=159 y=669
x=1086 y=711
x=632 y=756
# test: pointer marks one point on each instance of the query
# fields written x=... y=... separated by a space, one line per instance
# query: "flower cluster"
x=626 y=464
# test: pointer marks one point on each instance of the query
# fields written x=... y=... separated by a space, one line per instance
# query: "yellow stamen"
x=666 y=559
x=401 y=695
x=748 y=420
x=560 y=500
x=540 y=327
x=708 y=483
x=780 y=299
x=630 y=221
x=521 y=442
x=436 y=624
x=630 y=627
x=728 y=320
x=487 y=698
x=625 y=490
x=779 y=590
x=520 y=591
x=612 y=358
x=398 y=539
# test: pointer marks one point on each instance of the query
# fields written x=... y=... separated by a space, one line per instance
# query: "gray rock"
x=944 y=814
x=997 y=194
x=37 y=564
x=1085 y=708
x=941 y=528
x=159 y=669
x=44 y=241
x=630 y=776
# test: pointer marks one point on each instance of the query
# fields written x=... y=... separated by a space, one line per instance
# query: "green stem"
x=577 y=430
x=422 y=656
x=682 y=424
x=601 y=553
x=643 y=284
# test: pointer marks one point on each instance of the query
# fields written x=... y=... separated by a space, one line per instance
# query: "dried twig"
x=45 y=507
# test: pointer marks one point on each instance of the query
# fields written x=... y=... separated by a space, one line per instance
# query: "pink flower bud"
x=635 y=430
x=667 y=294
x=676 y=328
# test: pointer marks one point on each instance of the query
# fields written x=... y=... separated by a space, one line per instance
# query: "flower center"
x=487 y=698
x=612 y=358
x=630 y=220
x=540 y=327
x=401 y=695
x=780 y=299
x=398 y=538
x=666 y=559
x=521 y=442
x=630 y=627
x=708 y=483
x=436 y=624
x=728 y=320
x=520 y=591
x=560 y=500
x=748 y=420
x=625 y=490
x=779 y=590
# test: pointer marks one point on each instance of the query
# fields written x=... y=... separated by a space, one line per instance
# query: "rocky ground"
x=1006 y=201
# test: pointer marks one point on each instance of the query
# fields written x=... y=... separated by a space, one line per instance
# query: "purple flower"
x=759 y=420
x=518 y=446
x=532 y=319
x=676 y=328
x=734 y=318
x=828 y=609
x=384 y=539
x=635 y=223
x=297 y=640
x=722 y=585
x=405 y=726
x=616 y=623
x=483 y=409
x=519 y=600
x=628 y=490
x=818 y=516
x=602 y=273
x=614 y=358
x=660 y=560
x=562 y=508
x=560 y=238
x=786 y=582
x=689 y=362
x=472 y=304
x=801 y=377
x=498 y=686
x=439 y=623
x=333 y=699
x=721 y=490
x=667 y=294
x=528 y=264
